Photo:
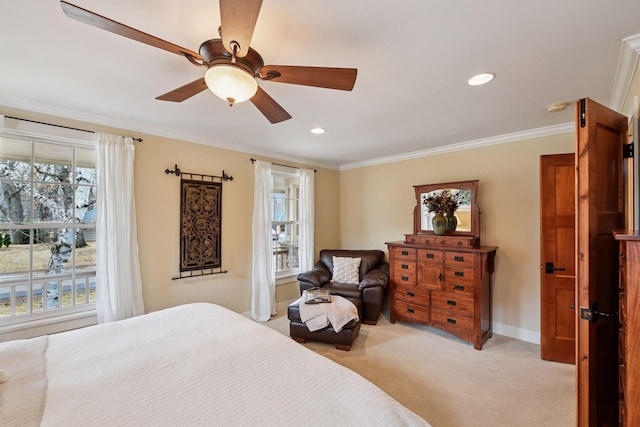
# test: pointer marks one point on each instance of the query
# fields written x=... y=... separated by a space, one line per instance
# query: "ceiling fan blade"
x=269 y=107
x=238 y=20
x=184 y=92
x=91 y=18
x=330 y=78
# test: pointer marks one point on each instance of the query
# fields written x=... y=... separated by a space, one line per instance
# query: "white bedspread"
x=196 y=364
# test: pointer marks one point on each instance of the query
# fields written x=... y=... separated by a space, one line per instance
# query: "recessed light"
x=317 y=131
x=480 y=79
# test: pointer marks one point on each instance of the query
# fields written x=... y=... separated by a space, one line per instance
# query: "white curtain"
x=118 y=284
x=306 y=219
x=263 y=280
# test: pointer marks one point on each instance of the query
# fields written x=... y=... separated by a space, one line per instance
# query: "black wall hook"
x=226 y=177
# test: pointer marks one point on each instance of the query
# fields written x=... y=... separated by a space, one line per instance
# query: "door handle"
x=549 y=268
x=592 y=314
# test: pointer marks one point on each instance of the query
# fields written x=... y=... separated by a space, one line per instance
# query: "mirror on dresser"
x=467 y=232
x=467 y=212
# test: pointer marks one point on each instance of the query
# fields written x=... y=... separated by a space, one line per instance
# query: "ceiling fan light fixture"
x=480 y=79
x=231 y=83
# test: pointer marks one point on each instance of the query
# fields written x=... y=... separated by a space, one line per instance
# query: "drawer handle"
x=429 y=255
x=443 y=242
x=405 y=266
x=450 y=320
x=405 y=252
x=405 y=278
x=458 y=258
x=459 y=273
x=413 y=240
x=451 y=302
x=440 y=277
x=458 y=287
x=411 y=294
x=410 y=310
x=459 y=243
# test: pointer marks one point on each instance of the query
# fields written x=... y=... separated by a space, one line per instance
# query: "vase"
x=452 y=222
x=439 y=223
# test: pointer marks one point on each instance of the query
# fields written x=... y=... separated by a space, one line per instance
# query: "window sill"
x=48 y=325
x=287 y=278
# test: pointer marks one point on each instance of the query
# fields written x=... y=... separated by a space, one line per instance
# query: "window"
x=47 y=227
x=285 y=228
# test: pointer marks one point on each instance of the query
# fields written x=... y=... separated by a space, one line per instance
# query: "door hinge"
x=592 y=314
x=583 y=112
x=627 y=151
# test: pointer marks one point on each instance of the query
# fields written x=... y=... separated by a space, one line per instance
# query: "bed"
x=195 y=364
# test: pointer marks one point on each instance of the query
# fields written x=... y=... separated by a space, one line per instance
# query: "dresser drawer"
x=411 y=294
x=466 y=242
x=411 y=312
x=402 y=266
x=432 y=239
x=430 y=255
x=404 y=272
x=459 y=280
x=453 y=302
x=404 y=253
x=459 y=259
x=460 y=326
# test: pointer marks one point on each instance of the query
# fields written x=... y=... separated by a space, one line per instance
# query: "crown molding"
x=476 y=143
x=627 y=64
x=130 y=126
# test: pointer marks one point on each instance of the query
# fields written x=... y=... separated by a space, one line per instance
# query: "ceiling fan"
x=232 y=66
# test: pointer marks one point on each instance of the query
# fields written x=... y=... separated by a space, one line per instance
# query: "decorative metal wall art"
x=200 y=223
x=201 y=206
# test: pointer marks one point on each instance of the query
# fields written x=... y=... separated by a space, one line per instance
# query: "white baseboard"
x=281 y=307
x=517 y=333
x=498 y=328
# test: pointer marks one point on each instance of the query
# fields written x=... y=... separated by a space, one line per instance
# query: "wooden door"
x=557 y=257
x=601 y=134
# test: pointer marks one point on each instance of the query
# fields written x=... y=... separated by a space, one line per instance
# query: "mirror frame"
x=460 y=185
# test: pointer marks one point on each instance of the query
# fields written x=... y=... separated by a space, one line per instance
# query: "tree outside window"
x=47 y=226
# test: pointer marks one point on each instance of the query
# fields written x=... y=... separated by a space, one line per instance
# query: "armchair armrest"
x=378 y=276
x=318 y=275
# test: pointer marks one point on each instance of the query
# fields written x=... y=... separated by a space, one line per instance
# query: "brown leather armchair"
x=373 y=280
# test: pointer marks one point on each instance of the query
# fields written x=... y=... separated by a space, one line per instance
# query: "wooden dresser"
x=629 y=314
x=443 y=283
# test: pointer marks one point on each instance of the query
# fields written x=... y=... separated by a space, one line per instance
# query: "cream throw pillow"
x=346 y=269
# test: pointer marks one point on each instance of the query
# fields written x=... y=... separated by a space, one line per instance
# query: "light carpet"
x=449 y=383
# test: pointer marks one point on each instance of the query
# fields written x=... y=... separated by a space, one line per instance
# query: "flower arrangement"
x=442 y=202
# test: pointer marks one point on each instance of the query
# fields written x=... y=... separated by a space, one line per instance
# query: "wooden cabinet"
x=445 y=287
x=629 y=315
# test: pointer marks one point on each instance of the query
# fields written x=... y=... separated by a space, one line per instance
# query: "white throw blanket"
x=338 y=313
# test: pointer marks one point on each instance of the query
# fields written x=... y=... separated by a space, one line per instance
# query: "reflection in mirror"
x=467 y=213
x=463 y=213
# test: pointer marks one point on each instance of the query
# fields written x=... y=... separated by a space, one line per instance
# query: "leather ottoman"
x=342 y=340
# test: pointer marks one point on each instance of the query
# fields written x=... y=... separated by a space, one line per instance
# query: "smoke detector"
x=557 y=107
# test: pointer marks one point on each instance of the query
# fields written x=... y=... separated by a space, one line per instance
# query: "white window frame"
x=58 y=319
x=285 y=276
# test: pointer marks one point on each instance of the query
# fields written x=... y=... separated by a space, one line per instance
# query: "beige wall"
x=157 y=198
x=376 y=206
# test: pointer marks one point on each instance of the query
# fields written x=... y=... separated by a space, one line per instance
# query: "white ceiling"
x=413 y=59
